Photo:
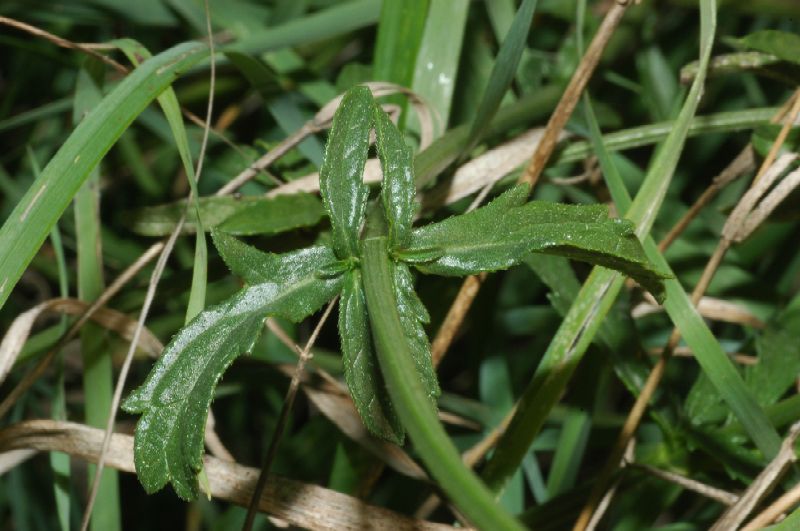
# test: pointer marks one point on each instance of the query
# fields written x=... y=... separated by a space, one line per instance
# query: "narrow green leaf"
x=361 y=370
x=336 y=20
x=503 y=72
x=500 y=234
x=340 y=178
x=175 y=397
x=398 y=191
x=244 y=216
x=598 y=293
x=782 y=44
x=33 y=217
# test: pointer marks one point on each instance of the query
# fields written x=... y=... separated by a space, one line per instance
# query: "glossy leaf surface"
x=340 y=178
x=500 y=234
x=235 y=215
x=412 y=316
x=361 y=370
x=175 y=397
x=398 y=189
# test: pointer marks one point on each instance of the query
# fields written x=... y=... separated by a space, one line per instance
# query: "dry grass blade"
x=20 y=329
x=779 y=507
x=722 y=496
x=763 y=484
x=485 y=169
x=710 y=308
x=744 y=162
x=300 y=504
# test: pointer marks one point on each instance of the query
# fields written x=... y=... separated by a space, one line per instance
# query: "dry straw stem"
x=20 y=329
x=654 y=378
x=300 y=504
x=736 y=514
x=742 y=164
x=722 y=496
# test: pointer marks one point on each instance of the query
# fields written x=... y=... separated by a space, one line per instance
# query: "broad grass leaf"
x=340 y=178
x=175 y=397
x=398 y=191
x=361 y=370
x=500 y=234
x=782 y=44
x=244 y=216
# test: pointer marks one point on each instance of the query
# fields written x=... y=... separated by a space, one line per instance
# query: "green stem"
x=417 y=414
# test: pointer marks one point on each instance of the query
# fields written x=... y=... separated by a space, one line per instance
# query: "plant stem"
x=435 y=448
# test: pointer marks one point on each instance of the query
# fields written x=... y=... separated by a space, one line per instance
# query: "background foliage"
x=282 y=62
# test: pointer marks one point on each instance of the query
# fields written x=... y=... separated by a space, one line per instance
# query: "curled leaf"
x=340 y=177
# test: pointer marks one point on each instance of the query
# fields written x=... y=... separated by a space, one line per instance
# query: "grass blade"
x=437 y=61
x=505 y=67
x=97 y=369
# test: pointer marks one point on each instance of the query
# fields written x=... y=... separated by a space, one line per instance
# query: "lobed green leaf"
x=340 y=177
x=175 y=397
x=361 y=370
x=412 y=316
x=398 y=190
x=500 y=234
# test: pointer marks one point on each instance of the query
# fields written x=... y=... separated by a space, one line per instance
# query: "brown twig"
x=572 y=93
